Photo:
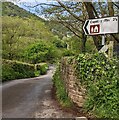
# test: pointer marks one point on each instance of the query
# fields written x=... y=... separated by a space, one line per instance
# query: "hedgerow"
x=17 y=70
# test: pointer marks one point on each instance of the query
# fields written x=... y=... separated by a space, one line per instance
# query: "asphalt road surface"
x=31 y=98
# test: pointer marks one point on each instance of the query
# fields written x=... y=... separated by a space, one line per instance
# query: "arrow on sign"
x=91 y=29
x=85 y=27
x=101 y=26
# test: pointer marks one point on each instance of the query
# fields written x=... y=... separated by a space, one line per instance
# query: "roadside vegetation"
x=61 y=93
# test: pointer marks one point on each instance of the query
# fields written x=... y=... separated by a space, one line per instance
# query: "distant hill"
x=10 y=9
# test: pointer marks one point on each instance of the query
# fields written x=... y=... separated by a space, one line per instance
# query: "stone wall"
x=73 y=86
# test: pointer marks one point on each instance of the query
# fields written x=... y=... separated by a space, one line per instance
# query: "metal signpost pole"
x=103 y=39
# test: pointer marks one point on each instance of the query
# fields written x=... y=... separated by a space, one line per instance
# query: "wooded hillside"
x=10 y=9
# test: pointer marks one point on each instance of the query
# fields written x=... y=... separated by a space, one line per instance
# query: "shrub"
x=60 y=89
x=41 y=52
x=59 y=43
x=42 y=68
x=15 y=70
x=100 y=77
x=37 y=73
x=68 y=53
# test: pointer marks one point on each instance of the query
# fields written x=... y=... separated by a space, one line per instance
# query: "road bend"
x=30 y=98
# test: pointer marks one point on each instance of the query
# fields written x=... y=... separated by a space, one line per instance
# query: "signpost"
x=102 y=26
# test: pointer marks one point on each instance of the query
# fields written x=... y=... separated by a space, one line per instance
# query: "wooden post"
x=111 y=47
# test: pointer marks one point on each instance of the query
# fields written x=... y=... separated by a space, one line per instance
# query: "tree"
x=12 y=31
x=19 y=33
x=41 y=52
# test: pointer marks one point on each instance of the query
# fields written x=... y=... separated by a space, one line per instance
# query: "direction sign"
x=99 y=26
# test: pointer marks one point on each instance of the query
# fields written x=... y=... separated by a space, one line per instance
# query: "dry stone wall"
x=73 y=86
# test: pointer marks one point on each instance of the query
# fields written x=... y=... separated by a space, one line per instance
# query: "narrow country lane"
x=30 y=98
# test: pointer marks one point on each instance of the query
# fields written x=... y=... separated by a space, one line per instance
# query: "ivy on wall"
x=100 y=77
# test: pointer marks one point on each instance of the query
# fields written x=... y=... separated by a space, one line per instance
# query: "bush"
x=42 y=68
x=15 y=70
x=41 y=52
x=68 y=53
x=59 y=43
x=37 y=73
x=100 y=77
x=60 y=89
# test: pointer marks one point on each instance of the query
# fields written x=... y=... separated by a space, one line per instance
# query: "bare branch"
x=41 y=4
x=116 y=5
x=67 y=26
x=115 y=37
x=67 y=9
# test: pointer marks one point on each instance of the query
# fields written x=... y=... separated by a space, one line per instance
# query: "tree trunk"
x=110 y=8
x=84 y=39
x=91 y=15
x=113 y=37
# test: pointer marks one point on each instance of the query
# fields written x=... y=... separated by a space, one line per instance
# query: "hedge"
x=17 y=70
